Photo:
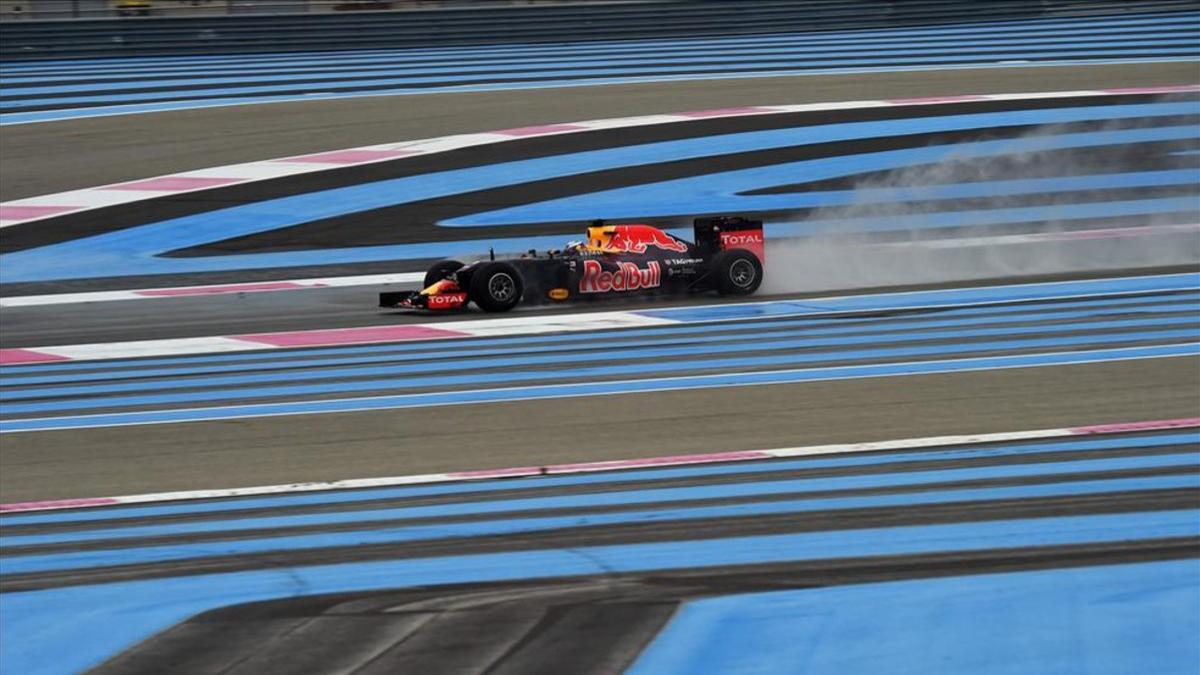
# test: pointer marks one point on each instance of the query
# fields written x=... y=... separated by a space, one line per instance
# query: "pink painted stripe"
x=18 y=212
x=350 y=156
x=670 y=460
x=12 y=356
x=338 y=336
x=58 y=504
x=727 y=112
x=174 y=184
x=938 y=99
x=1182 y=423
x=231 y=288
x=543 y=129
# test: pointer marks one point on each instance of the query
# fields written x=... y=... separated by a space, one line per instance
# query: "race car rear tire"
x=737 y=272
x=440 y=271
x=496 y=287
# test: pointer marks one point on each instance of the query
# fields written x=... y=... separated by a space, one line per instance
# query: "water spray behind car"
x=886 y=234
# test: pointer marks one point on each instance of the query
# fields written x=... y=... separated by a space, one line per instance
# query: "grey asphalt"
x=44 y=158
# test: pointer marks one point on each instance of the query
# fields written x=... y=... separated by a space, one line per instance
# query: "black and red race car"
x=616 y=260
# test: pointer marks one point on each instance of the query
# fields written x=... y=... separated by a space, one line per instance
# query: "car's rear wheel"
x=737 y=272
x=496 y=287
x=441 y=270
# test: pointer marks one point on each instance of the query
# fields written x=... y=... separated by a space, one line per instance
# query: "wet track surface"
x=546 y=574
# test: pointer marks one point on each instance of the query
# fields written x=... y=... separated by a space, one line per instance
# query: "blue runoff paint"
x=513 y=507
x=627 y=476
x=51 y=115
x=1106 y=620
x=695 y=347
x=682 y=334
x=726 y=192
x=583 y=372
x=139 y=248
x=534 y=392
x=1153 y=292
x=15 y=563
x=74 y=628
x=1035 y=30
x=1162 y=293
x=1032 y=32
x=799 y=56
x=130 y=109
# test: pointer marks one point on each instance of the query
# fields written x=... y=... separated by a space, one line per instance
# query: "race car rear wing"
x=719 y=233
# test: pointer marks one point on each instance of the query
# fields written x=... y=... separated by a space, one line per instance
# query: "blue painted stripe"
x=578 y=372
x=16 y=563
x=359 y=62
x=41 y=637
x=661 y=496
x=596 y=389
x=127 y=109
x=601 y=479
x=1038 y=31
x=729 y=189
x=674 y=335
x=1146 y=288
x=967 y=56
x=138 y=248
x=1035 y=27
x=1108 y=620
x=564 y=65
x=302 y=372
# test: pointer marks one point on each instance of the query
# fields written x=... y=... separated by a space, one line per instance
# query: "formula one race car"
x=616 y=260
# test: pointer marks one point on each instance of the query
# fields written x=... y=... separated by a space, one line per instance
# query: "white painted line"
x=21 y=211
x=218 y=289
x=112 y=350
x=510 y=325
x=605 y=465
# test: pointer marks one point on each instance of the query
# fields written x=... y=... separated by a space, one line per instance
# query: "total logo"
x=741 y=238
x=447 y=301
x=627 y=277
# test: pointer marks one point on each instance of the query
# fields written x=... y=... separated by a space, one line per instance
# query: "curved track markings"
x=32 y=209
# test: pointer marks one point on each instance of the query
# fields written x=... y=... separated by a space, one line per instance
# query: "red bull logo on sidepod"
x=637 y=238
x=627 y=277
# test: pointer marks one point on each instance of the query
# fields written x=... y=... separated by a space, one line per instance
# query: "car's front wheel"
x=737 y=272
x=496 y=287
x=441 y=270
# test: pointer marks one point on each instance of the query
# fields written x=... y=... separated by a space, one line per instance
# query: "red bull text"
x=627 y=277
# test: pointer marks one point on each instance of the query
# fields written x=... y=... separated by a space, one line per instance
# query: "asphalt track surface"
x=521 y=570
x=63 y=464
x=545 y=619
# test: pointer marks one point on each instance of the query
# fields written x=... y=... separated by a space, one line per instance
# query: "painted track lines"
x=57 y=90
x=1116 y=498
x=724 y=345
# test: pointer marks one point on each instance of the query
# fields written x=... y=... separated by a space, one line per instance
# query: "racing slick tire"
x=737 y=272
x=440 y=271
x=496 y=287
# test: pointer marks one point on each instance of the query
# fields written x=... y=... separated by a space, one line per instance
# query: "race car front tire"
x=439 y=271
x=737 y=272
x=496 y=287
